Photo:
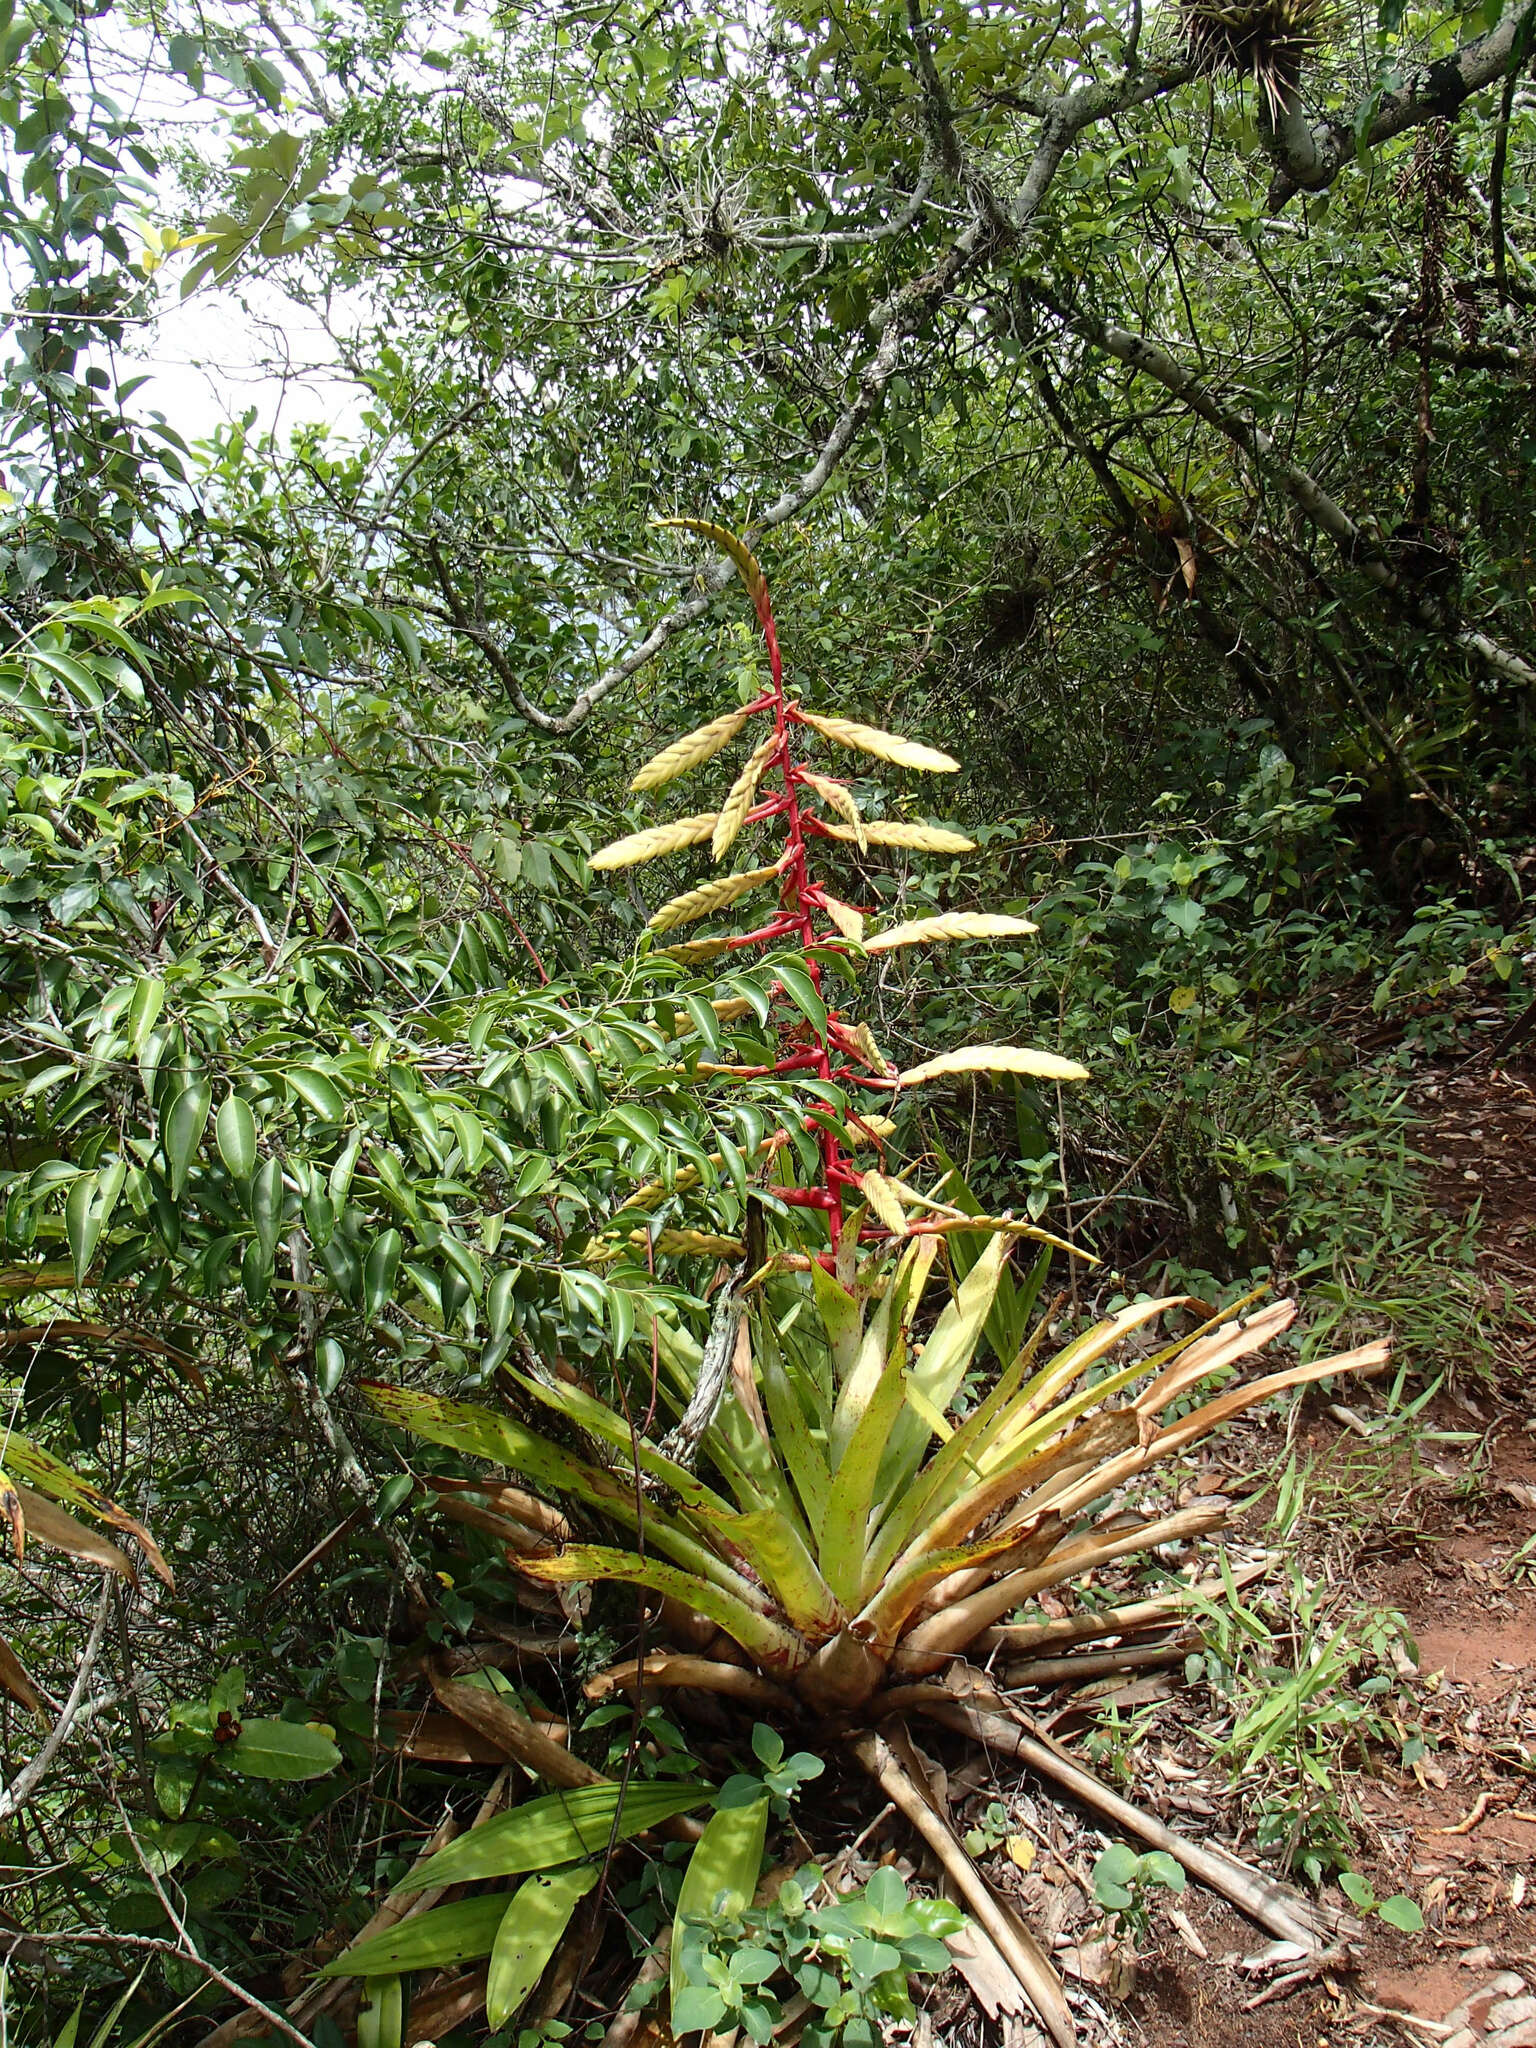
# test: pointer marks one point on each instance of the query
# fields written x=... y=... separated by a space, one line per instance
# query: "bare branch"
x=24 y=1946
x=24 y=1785
x=900 y=320
x=1354 y=542
x=992 y=229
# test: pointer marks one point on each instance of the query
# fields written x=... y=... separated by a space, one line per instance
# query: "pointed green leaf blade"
x=529 y=1934
x=544 y=1833
x=461 y=1933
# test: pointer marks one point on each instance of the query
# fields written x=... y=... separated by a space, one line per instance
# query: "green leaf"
x=319 y=1091
x=393 y=1495
x=267 y=1207
x=1158 y=1867
x=767 y=1744
x=801 y=990
x=330 y=1364
x=722 y=1873
x=498 y=1301
x=1400 y=1911
x=544 y=1833
x=381 y=2014
x=88 y=1211
x=697 y=2010
x=185 y=1121
x=379 y=1270
x=148 y=1001
x=539 y=1914
x=234 y=1132
x=461 y=1933
x=281 y=1749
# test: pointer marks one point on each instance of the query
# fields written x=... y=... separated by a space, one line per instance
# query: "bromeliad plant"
x=833 y=1508
x=819 y=1505
x=846 y=1530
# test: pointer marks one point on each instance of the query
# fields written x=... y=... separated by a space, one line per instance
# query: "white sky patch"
x=219 y=355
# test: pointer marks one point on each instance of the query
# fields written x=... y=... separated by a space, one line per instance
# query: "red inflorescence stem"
x=800 y=899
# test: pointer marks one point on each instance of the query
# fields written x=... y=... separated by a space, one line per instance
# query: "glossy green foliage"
x=852 y=1960
x=721 y=1878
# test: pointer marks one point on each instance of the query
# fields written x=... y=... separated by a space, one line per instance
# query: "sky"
x=210 y=359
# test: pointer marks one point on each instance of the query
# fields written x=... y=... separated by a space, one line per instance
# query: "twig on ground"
x=148 y=1944
x=1285 y=1913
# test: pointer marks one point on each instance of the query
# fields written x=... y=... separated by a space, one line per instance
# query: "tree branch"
x=900 y=318
x=24 y=1785
x=1308 y=155
x=992 y=228
x=149 y=1944
x=1354 y=543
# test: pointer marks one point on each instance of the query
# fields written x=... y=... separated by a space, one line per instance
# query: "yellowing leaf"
x=958 y=924
x=997 y=1059
x=1021 y=1850
x=743 y=791
x=748 y=568
x=659 y=839
x=925 y=1410
x=1182 y=999
x=885 y=746
x=691 y=751
x=707 y=897
x=896 y=832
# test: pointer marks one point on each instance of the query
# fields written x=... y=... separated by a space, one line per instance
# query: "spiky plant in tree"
x=1265 y=40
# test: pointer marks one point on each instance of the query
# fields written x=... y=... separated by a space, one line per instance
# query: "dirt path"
x=1436 y=1525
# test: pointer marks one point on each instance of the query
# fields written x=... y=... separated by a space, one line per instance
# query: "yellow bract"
x=885 y=746
x=743 y=791
x=850 y=922
x=883 y=1199
x=691 y=751
x=866 y=1044
x=997 y=1059
x=747 y=565
x=840 y=797
x=694 y=952
x=958 y=924
x=707 y=897
x=893 y=832
x=656 y=840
